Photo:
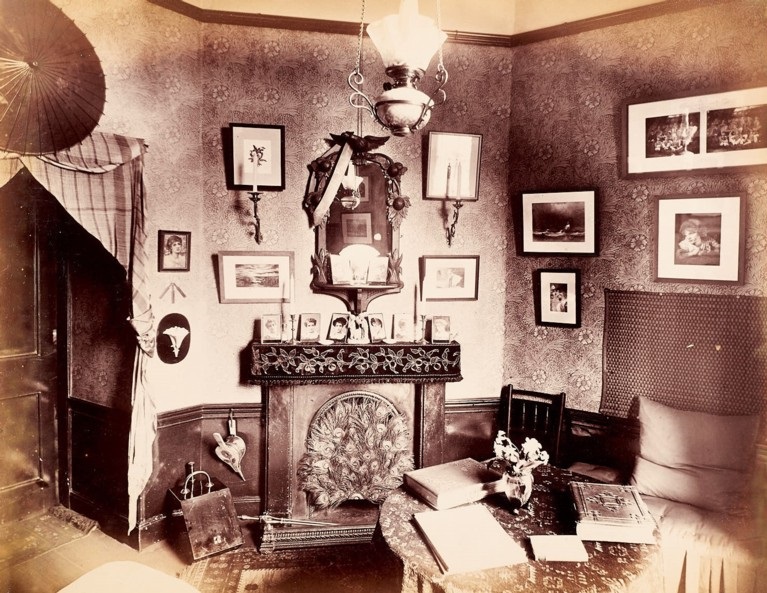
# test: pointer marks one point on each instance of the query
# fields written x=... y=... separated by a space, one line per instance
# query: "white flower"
x=519 y=460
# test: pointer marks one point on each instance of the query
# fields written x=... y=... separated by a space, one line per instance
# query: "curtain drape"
x=100 y=183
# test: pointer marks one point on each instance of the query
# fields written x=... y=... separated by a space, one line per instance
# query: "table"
x=612 y=567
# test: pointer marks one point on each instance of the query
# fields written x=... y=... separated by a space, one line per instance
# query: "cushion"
x=695 y=458
x=669 y=436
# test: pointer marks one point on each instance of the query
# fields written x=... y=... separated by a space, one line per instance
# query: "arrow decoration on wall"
x=173 y=287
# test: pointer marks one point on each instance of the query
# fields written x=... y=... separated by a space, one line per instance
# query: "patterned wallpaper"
x=567 y=96
x=548 y=115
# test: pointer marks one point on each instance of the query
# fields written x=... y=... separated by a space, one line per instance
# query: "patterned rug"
x=364 y=568
x=32 y=537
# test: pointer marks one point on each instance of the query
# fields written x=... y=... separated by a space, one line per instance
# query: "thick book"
x=611 y=513
x=558 y=548
x=468 y=538
x=454 y=483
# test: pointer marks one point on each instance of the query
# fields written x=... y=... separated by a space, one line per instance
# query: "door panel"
x=28 y=362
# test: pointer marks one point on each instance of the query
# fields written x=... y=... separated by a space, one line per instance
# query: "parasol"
x=52 y=87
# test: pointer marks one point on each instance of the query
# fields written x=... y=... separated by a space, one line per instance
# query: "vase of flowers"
x=517 y=465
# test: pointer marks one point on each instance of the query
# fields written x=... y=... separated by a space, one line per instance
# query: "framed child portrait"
x=173 y=251
x=557 y=297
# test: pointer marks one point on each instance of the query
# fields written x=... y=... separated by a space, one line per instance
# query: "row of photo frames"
x=695 y=132
x=697 y=238
x=343 y=327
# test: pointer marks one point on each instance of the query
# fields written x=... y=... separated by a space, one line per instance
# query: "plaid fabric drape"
x=100 y=183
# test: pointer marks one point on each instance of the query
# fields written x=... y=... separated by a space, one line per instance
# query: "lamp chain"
x=359 y=41
x=439 y=26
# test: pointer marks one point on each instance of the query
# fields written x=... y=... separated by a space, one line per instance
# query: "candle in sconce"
x=447 y=182
x=255 y=172
x=283 y=304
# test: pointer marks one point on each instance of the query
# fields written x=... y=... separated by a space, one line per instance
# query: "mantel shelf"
x=308 y=363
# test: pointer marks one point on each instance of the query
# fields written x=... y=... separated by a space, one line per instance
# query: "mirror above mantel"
x=355 y=205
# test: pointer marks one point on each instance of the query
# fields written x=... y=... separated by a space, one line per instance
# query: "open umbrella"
x=52 y=87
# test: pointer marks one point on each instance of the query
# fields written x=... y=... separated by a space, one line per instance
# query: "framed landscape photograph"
x=559 y=223
x=449 y=278
x=557 y=297
x=257 y=157
x=710 y=131
x=173 y=251
x=452 y=167
x=255 y=276
x=357 y=227
x=699 y=239
x=271 y=328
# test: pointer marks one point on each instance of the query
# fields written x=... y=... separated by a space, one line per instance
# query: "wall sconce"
x=406 y=41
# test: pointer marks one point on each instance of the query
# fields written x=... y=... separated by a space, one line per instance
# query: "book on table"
x=611 y=513
x=468 y=538
x=454 y=483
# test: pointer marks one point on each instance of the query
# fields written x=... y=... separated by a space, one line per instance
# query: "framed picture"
x=559 y=223
x=255 y=276
x=699 y=239
x=449 y=278
x=709 y=131
x=378 y=270
x=376 y=328
x=557 y=297
x=173 y=251
x=258 y=157
x=309 y=327
x=357 y=227
x=271 y=328
x=440 y=329
x=339 y=327
x=402 y=327
x=340 y=269
x=452 y=167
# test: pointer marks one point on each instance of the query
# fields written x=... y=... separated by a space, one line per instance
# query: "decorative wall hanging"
x=699 y=239
x=173 y=338
x=172 y=288
x=174 y=250
x=696 y=132
x=557 y=297
x=51 y=79
x=452 y=171
x=559 y=223
x=255 y=276
x=449 y=278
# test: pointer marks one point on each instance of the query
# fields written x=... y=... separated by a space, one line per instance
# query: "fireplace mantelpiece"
x=296 y=379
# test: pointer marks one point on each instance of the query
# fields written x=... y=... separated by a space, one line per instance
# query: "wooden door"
x=28 y=355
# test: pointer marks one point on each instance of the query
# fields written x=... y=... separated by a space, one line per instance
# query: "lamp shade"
x=407 y=38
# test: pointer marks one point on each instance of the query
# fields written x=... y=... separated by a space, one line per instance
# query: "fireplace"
x=305 y=389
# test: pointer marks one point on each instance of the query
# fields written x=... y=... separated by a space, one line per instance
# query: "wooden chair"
x=535 y=415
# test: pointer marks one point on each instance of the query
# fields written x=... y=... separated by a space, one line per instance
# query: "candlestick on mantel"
x=417 y=301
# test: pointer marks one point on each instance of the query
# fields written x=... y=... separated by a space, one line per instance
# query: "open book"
x=468 y=538
x=611 y=513
x=454 y=483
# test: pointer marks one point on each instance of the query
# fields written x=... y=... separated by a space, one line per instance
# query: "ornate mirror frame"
x=325 y=174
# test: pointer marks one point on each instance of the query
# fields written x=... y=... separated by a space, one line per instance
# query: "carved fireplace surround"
x=297 y=380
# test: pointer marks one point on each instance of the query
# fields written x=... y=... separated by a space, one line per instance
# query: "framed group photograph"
x=452 y=166
x=257 y=157
x=557 y=297
x=271 y=328
x=710 y=131
x=449 y=278
x=559 y=223
x=309 y=327
x=173 y=251
x=699 y=239
x=255 y=276
x=339 y=327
